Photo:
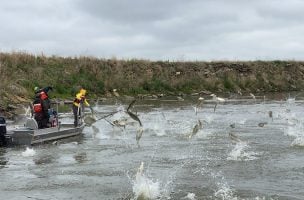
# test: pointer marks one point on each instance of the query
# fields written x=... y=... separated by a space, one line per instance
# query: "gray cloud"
x=154 y=29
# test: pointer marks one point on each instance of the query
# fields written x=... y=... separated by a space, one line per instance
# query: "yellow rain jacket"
x=80 y=98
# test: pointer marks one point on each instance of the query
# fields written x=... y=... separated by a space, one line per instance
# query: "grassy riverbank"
x=21 y=72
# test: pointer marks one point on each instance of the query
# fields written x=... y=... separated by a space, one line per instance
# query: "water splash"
x=240 y=153
x=190 y=196
x=27 y=111
x=290 y=100
x=143 y=187
x=292 y=124
x=225 y=192
x=158 y=127
x=298 y=142
x=205 y=133
x=291 y=131
x=120 y=108
x=28 y=152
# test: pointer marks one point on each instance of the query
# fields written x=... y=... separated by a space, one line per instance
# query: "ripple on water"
x=269 y=165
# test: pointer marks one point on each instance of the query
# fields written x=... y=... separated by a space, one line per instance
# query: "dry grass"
x=99 y=76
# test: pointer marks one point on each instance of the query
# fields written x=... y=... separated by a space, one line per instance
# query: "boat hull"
x=25 y=136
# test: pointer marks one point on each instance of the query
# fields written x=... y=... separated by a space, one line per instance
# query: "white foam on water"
x=28 y=152
x=290 y=100
x=204 y=133
x=145 y=188
x=242 y=121
x=120 y=108
x=27 y=111
x=120 y=115
x=190 y=196
x=291 y=131
x=156 y=126
x=160 y=132
x=240 y=152
x=209 y=118
x=106 y=130
x=294 y=128
x=225 y=193
x=298 y=142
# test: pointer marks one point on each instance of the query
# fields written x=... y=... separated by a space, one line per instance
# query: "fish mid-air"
x=120 y=123
x=199 y=104
x=135 y=117
x=140 y=170
x=196 y=128
x=89 y=120
x=132 y=115
x=217 y=100
x=234 y=137
x=139 y=134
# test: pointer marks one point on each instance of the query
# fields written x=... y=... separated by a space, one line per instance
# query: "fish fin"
x=131 y=104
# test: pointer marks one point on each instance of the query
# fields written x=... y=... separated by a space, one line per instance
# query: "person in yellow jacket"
x=79 y=102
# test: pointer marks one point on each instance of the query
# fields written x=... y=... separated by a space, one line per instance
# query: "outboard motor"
x=2 y=131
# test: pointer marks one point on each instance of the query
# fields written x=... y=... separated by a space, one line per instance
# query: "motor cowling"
x=2 y=131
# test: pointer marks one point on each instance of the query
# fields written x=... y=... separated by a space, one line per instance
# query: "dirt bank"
x=20 y=73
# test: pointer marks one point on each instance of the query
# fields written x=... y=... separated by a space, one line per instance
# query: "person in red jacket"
x=41 y=106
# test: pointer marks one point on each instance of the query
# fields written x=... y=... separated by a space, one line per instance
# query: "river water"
x=261 y=162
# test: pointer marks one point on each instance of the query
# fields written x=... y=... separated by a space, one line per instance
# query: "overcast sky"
x=173 y=30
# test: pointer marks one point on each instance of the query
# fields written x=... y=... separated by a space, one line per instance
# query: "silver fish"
x=199 y=104
x=120 y=123
x=140 y=170
x=217 y=100
x=131 y=104
x=133 y=116
x=200 y=125
x=195 y=129
x=139 y=134
x=89 y=120
x=234 y=137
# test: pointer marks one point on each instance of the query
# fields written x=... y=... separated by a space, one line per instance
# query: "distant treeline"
x=21 y=72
